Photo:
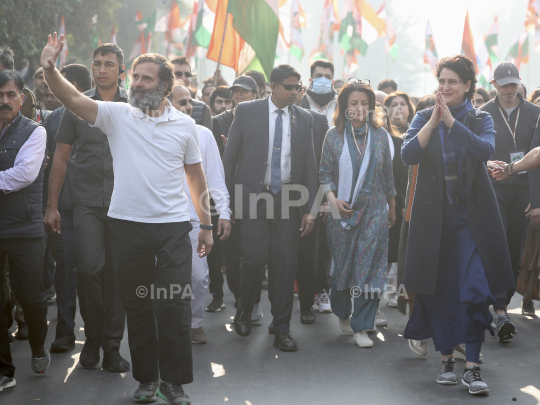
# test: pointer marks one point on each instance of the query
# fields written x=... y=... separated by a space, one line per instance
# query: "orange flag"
x=233 y=44
x=467 y=46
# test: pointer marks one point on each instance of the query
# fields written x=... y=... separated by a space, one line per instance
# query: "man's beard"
x=146 y=99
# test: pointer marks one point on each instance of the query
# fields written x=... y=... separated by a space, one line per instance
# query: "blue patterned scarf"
x=451 y=175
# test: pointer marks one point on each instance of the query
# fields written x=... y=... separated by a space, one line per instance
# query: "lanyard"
x=508 y=125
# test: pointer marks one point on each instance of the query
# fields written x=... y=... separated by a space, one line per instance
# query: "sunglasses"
x=289 y=87
x=179 y=75
x=355 y=81
x=183 y=103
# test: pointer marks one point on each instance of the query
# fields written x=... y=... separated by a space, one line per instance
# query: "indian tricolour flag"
x=390 y=45
x=487 y=54
x=329 y=24
x=360 y=27
x=63 y=55
x=251 y=29
x=204 y=25
x=298 y=21
x=532 y=22
x=519 y=51
x=140 y=46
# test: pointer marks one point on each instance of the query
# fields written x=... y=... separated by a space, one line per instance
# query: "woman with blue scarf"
x=457 y=259
x=356 y=170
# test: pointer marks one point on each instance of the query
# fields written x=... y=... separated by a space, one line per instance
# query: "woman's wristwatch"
x=207 y=227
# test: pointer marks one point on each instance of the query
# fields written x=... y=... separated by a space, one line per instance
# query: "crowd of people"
x=137 y=201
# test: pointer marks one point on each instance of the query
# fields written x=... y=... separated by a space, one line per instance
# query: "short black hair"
x=483 y=93
x=463 y=67
x=326 y=64
x=6 y=57
x=105 y=49
x=220 y=91
x=387 y=82
x=8 y=75
x=181 y=60
x=283 y=72
x=79 y=74
x=426 y=102
x=258 y=77
x=207 y=85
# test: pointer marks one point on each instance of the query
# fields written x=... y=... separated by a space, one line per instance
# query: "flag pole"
x=221 y=48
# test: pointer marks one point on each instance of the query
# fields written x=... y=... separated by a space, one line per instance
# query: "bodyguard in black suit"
x=313 y=254
x=269 y=151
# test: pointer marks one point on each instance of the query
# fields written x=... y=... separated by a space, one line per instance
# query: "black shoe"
x=115 y=363
x=41 y=360
x=22 y=332
x=527 y=308
x=307 y=316
x=173 y=394
x=271 y=328
x=90 y=353
x=63 y=343
x=216 y=305
x=146 y=393
x=285 y=342
x=51 y=294
x=505 y=328
x=242 y=321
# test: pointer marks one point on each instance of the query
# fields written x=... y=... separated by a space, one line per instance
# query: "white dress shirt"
x=286 y=159
x=149 y=155
x=27 y=162
x=215 y=176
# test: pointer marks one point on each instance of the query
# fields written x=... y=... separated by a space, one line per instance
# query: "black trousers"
x=273 y=241
x=99 y=299
x=25 y=257
x=233 y=257
x=512 y=204
x=313 y=259
x=214 y=261
x=65 y=277
x=154 y=268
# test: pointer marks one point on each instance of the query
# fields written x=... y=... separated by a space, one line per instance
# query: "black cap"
x=245 y=82
x=506 y=73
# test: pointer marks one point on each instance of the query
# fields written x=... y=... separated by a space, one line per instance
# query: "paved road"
x=328 y=368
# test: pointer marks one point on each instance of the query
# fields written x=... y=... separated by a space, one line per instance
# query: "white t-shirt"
x=148 y=161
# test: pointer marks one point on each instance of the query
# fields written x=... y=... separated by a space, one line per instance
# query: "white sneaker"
x=362 y=340
x=345 y=326
x=323 y=301
x=392 y=300
x=419 y=347
x=460 y=353
x=379 y=319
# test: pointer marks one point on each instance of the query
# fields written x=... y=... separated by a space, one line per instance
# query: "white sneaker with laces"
x=392 y=300
x=362 y=340
x=379 y=319
x=323 y=301
x=419 y=347
x=345 y=326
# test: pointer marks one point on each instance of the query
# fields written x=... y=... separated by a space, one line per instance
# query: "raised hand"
x=51 y=51
x=446 y=114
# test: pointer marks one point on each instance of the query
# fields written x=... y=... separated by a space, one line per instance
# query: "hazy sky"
x=409 y=18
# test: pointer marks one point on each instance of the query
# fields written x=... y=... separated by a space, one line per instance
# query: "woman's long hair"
x=340 y=115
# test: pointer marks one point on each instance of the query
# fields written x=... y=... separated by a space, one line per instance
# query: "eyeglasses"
x=289 y=87
x=355 y=81
x=183 y=103
x=179 y=75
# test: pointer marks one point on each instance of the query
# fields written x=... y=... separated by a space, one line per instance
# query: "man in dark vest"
x=201 y=112
x=22 y=162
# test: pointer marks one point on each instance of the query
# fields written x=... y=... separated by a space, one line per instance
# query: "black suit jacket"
x=320 y=128
x=246 y=155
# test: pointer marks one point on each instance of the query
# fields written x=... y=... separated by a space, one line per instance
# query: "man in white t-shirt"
x=153 y=145
x=180 y=99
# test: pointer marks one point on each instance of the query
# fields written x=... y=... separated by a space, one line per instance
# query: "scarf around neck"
x=322 y=99
x=355 y=177
x=451 y=175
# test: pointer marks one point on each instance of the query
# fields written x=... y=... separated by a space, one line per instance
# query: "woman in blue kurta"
x=452 y=142
x=356 y=169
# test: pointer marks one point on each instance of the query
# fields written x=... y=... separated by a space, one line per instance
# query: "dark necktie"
x=275 y=184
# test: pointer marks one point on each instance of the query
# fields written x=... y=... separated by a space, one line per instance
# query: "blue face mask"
x=322 y=85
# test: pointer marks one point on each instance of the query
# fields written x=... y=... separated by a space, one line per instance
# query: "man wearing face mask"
x=320 y=96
